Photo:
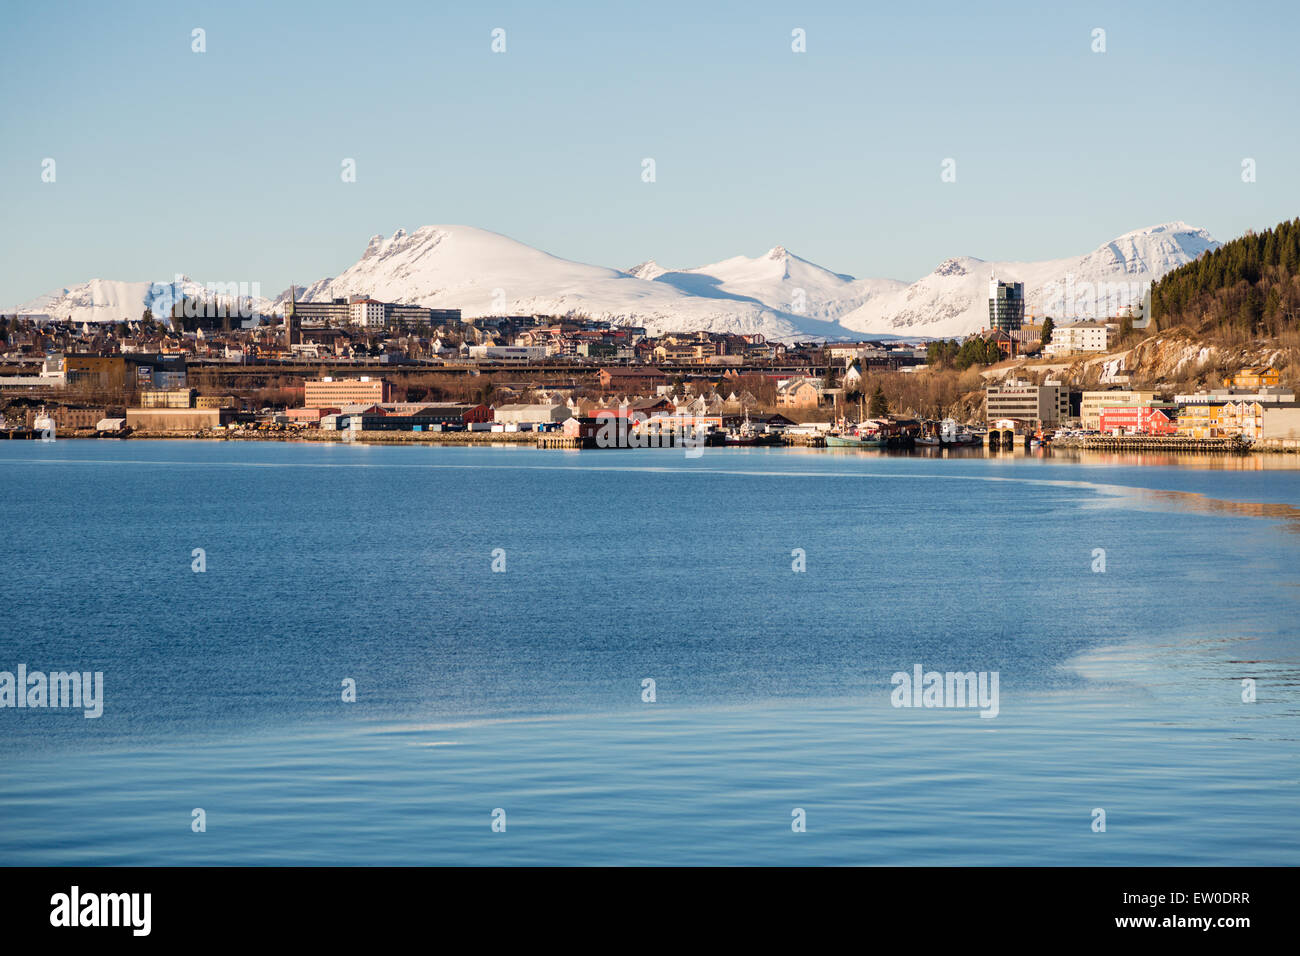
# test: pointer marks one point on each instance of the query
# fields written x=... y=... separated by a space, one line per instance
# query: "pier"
x=557 y=440
x=1175 y=443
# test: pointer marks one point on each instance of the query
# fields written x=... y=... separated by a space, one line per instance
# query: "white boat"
x=950 y=435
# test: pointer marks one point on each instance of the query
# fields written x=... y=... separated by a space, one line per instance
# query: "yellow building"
x=1244 y=419
x=1199 y=421
x=1259 y=376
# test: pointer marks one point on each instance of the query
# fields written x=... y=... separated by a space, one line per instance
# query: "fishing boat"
x=855 y=438
x=746 y=434
x=949 y=435
x=44 y=424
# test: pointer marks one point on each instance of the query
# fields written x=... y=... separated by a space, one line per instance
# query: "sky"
x=227 y=165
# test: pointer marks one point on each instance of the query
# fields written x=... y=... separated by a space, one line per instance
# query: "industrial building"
x=177 y=419
x=331 y=392
x=406 y=417
x=532 y=414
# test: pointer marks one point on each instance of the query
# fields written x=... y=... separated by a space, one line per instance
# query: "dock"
x=555 y=440
x=1172 y=443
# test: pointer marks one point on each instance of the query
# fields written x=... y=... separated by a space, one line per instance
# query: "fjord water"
x=523 y=690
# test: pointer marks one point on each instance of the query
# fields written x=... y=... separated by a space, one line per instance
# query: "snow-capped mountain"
x=107 y=300
x=778 y=294
x=953 y=299
x=779 y=280
x=484 y=273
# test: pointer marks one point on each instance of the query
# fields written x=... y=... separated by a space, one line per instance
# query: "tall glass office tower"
x=1006 y=305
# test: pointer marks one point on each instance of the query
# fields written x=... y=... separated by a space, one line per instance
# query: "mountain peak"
x=1177 y=230
x=649 y=270
x=956 y=266
x=1176 y=225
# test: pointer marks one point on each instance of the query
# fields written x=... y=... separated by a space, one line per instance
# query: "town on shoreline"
x=359 y=369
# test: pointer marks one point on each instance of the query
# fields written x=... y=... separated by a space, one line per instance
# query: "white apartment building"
x=1082 y=337
x=366 y=312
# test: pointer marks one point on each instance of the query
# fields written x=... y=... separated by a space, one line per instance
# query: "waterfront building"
x=1282 y=424
x=583 y=428
x=1243 y=419
x=307 y=416
x=1045 y=404
x=1092 y=402
x=1199 y=421
x=177 y=419
x=60 y=416
x=1136 y=420
x=417 y=418
x=531 y=414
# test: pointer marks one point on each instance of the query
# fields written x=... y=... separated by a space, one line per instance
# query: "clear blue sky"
x=226 y=165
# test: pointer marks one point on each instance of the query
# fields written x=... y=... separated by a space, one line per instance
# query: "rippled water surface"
x=523 y=690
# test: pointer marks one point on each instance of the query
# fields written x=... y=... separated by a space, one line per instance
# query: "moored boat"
x=746 y=434
x=856 y=439
x=949 y=435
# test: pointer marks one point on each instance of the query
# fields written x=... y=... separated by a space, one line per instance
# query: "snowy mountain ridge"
x=777 y=294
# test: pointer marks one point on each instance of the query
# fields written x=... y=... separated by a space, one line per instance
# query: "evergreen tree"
x=879 y=407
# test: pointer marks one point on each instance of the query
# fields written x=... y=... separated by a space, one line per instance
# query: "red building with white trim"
x=1136 y=420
